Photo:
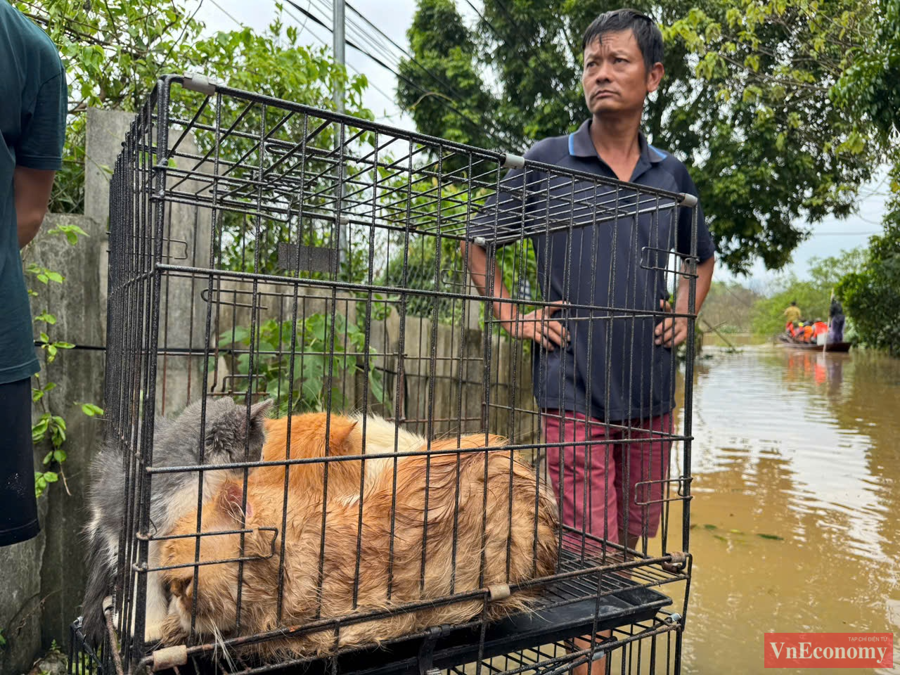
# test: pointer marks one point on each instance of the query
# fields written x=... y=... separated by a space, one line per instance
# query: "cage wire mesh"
x=640 y=647
x=264 y=250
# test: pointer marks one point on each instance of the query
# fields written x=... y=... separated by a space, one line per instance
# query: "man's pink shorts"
x=601 y=472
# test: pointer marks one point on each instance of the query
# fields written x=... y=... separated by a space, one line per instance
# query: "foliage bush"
x=872 y=294
x=295 y=364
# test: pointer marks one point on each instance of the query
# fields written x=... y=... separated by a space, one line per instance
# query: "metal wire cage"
x=641 y=647
x=264 y=250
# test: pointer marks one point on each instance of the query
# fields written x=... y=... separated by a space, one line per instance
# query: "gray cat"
x=172 y=496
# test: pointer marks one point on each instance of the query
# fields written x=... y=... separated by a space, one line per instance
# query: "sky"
x=393 y=18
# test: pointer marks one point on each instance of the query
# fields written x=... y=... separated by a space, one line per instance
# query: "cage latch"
x=169 y=657
x=426 y=651
x=202 y=83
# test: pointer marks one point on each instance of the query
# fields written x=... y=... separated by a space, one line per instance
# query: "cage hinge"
x=511 y=161
x=426 y=651
x=677 y=563
x=498 y=592
x=169 y=657
x=202 y=83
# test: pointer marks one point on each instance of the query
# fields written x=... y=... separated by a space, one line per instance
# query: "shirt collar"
x=581 y=145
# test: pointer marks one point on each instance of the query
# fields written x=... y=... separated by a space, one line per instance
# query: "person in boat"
x=792 y=314
x=836 y=321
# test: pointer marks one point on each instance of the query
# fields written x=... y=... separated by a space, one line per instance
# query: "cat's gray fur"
x=176 y=443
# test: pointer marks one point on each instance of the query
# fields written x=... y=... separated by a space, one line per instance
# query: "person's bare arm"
x=534 y=325
x=32 y=195
x=672 y=332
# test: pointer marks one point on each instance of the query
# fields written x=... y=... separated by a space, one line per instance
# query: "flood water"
x=796 y=509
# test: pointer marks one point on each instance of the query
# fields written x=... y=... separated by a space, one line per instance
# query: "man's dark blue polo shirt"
x=598 y=251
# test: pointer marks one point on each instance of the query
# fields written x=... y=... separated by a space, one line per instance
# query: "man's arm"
x=32 y=195
x=672 y=332
x=535 y=325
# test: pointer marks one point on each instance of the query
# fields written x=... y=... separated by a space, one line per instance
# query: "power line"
x=374 y=86
x=366 y=36
x=302 y=29
x=404 y=52
x=483 y=124
x=222 y=9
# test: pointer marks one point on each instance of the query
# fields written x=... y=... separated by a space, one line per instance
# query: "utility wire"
x=394 y=61
x=404 y=52
x=366 y=36
x=374 y=86
x=480 y=125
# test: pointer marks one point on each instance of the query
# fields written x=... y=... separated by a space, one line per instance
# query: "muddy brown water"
x=796 y=509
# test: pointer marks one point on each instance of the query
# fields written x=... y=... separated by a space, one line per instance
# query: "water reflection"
x=797 y=508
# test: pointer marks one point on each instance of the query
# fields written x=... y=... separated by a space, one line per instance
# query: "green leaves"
x=46 y=317
x=71 y=232
x=42 y=480
x=52 y=347
x=234 y=335
x=49 y=426
x=44 y=275
x=38 y=393
x=871 y=292
x=327 y=352
x=90 y=409
x=113 y=54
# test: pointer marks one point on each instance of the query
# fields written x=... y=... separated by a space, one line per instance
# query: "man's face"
x=615 y=79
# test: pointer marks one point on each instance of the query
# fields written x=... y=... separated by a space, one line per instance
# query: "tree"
x=113 y=54
x=871 y=294
x=871 y=86
x=871 y=83
x=744 y=102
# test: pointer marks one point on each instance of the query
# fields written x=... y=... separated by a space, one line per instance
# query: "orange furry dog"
x=450 y=534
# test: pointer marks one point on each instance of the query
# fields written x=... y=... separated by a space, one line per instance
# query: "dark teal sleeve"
x=44 y=131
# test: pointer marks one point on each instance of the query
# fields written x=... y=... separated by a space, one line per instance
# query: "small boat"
x=787 y=341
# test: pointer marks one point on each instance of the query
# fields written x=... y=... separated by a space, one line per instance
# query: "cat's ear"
x=339 y=433
x=257 y=416
x=230 y=501
x=258 y=411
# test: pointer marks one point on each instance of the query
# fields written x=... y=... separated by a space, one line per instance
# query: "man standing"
x=835 y=321
x=33 y=104
x=793 y=313
x=603 y=378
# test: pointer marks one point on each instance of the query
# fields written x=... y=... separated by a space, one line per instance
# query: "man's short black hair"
x=645 y=31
